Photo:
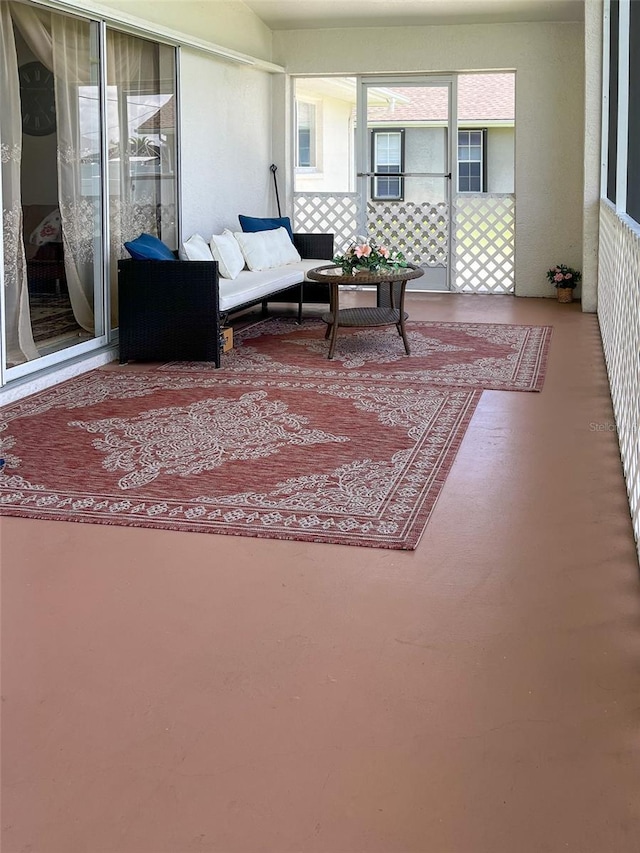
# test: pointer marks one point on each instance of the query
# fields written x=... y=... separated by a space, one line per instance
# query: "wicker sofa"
x=175 y=310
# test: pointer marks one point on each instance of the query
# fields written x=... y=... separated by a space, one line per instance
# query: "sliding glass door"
x=75 y=96
x=52 y=250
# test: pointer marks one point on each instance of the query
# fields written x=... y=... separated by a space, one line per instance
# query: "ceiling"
x=321 y=14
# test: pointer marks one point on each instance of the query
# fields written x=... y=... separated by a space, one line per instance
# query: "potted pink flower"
x=365 y=255
x=565 y=280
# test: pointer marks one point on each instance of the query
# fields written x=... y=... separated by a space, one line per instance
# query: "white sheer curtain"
x=63 y=45
x=17 y=320
x=131 y=72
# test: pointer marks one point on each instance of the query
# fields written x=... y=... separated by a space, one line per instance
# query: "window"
x=306 y=134
x=387 y=156
x=613 y=100
x=633 y=152
x=471 y=161
x=621 y=109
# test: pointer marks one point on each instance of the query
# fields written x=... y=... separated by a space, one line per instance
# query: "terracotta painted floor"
x=177 y=693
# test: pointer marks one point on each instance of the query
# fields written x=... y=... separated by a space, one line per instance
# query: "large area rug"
x=278 y=443
x=357 y=463
x=471 y=355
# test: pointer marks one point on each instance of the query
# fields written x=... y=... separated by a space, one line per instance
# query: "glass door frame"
x=364 y=176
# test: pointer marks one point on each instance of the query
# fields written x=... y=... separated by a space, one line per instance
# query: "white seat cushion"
x=306 y=264
x=250 y=286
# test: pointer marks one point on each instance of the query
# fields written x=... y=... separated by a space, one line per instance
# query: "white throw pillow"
x=288 y=252
x=227 y=253
x=195 y=249
x=264 y=250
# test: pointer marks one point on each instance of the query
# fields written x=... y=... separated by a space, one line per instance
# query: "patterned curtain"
x=63 y=45
x=17 y=320
x=131 y=70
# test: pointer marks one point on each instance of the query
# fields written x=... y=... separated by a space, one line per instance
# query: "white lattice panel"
x=419 y=231
x=619 y=317
x=484 y=243
x=327 y=213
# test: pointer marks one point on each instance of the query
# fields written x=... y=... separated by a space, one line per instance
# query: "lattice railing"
x=483 y=249
x=482 y=243
x=619 y=317
x=419 y=231
x=328 y=213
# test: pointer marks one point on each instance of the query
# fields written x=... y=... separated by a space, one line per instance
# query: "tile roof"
x=161 y=121
x=481 y=97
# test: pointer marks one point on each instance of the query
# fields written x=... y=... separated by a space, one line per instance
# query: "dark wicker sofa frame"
x=169 y=310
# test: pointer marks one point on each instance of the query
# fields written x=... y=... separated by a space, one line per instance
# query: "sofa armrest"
x=168 y=310
x=314 y=246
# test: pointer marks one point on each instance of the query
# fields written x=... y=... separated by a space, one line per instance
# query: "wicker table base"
x=364 y=317
x=391 y=285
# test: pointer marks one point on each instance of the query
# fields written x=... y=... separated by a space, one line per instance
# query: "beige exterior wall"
x=226 y=150
x=228 y=23
x=425 y=151
x=333 y=171
x=500 y=160
x=549 y=63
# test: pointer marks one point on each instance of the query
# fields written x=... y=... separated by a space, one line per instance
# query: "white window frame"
x=377 y=133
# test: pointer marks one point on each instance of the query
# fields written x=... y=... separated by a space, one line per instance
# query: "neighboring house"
x=408 y=133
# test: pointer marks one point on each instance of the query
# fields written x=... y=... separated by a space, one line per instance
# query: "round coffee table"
x=389 y=310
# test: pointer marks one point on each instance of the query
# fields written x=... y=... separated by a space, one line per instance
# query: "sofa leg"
x=300 y=302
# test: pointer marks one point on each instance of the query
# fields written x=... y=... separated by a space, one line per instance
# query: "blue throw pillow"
x=146 y=247
x=255 y=223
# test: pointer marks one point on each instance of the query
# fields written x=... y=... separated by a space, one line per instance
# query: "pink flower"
x=363 y=251
x=559 y=277
x=384 y=251
x=567 y=275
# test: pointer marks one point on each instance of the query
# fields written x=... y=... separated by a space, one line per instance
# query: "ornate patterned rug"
x=470 y=355
x=278 y=443
x=269 y=453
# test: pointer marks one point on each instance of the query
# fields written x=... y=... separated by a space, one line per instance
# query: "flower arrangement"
x=564 y=276
x=365 y=254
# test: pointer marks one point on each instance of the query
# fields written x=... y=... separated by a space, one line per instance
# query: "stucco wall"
x=225 y=22
x=500 y=159
x=335 y=145
x=549 y=63
x=226 y=148
x=425 y=151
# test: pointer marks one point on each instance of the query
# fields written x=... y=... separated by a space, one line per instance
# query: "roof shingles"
x=489 y=97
